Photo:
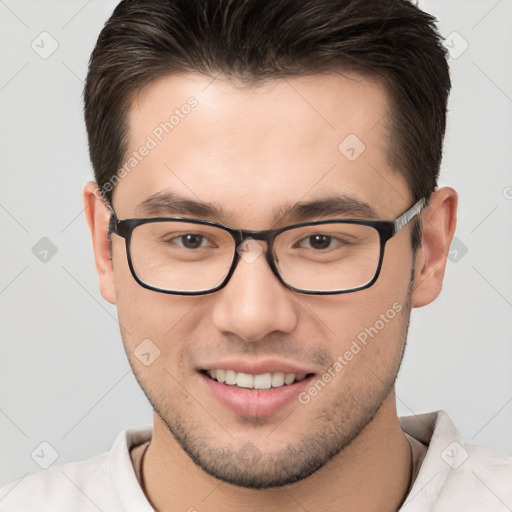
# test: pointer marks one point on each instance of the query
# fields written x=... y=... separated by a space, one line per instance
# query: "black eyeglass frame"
x=386 y=229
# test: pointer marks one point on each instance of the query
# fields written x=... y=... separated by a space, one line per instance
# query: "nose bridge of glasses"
x=263 y=236
x=248 y=248
x=247 y=239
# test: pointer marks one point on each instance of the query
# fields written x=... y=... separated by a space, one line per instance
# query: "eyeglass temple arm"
x=407 y=216
x=111 y=221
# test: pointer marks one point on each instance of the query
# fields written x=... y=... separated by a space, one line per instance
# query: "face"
x=252 y=153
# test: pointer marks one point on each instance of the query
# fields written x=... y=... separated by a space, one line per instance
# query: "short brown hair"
x=258 y=40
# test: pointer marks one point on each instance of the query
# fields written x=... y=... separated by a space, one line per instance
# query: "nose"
x=254 y=303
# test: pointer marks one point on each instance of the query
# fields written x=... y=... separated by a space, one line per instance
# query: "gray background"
x=64 y=378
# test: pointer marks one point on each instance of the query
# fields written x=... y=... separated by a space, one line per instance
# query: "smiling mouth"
x=259 y=382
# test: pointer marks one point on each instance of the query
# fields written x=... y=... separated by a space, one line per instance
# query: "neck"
x=372 y=473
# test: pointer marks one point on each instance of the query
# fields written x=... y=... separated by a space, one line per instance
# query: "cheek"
x=159 y=317
x=366 y=351
x=366 y=330
x=148 y=315
x=341 y=319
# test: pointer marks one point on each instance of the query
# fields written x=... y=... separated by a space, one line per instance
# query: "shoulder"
x=102 y=482
x=75 y=486
x=456 y=476
x=478 y=477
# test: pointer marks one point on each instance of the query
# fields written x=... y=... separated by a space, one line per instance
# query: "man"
x=265 y=215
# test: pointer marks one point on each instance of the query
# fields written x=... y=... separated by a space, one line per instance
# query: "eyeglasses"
x=185 y=256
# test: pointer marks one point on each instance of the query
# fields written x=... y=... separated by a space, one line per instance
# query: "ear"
x=97 y=215
x=439 y=221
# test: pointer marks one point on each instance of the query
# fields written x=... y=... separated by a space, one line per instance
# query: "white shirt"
x=452 y=476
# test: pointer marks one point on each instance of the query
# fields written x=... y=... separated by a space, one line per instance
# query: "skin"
x=253 y=150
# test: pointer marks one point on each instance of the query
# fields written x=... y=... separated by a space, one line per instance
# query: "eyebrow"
x=343 y=206
x=166 y=203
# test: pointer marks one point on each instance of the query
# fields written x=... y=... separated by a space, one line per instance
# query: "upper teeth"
x=262 y=381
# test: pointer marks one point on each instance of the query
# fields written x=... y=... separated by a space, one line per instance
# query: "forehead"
x=253 y=148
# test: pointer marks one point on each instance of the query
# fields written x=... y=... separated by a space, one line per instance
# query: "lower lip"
x=251 y=402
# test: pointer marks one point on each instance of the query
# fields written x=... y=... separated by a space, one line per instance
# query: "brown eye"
x=319 y=241
x=191 y=241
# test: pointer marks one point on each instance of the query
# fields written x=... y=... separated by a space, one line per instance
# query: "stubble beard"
x=333 y=429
